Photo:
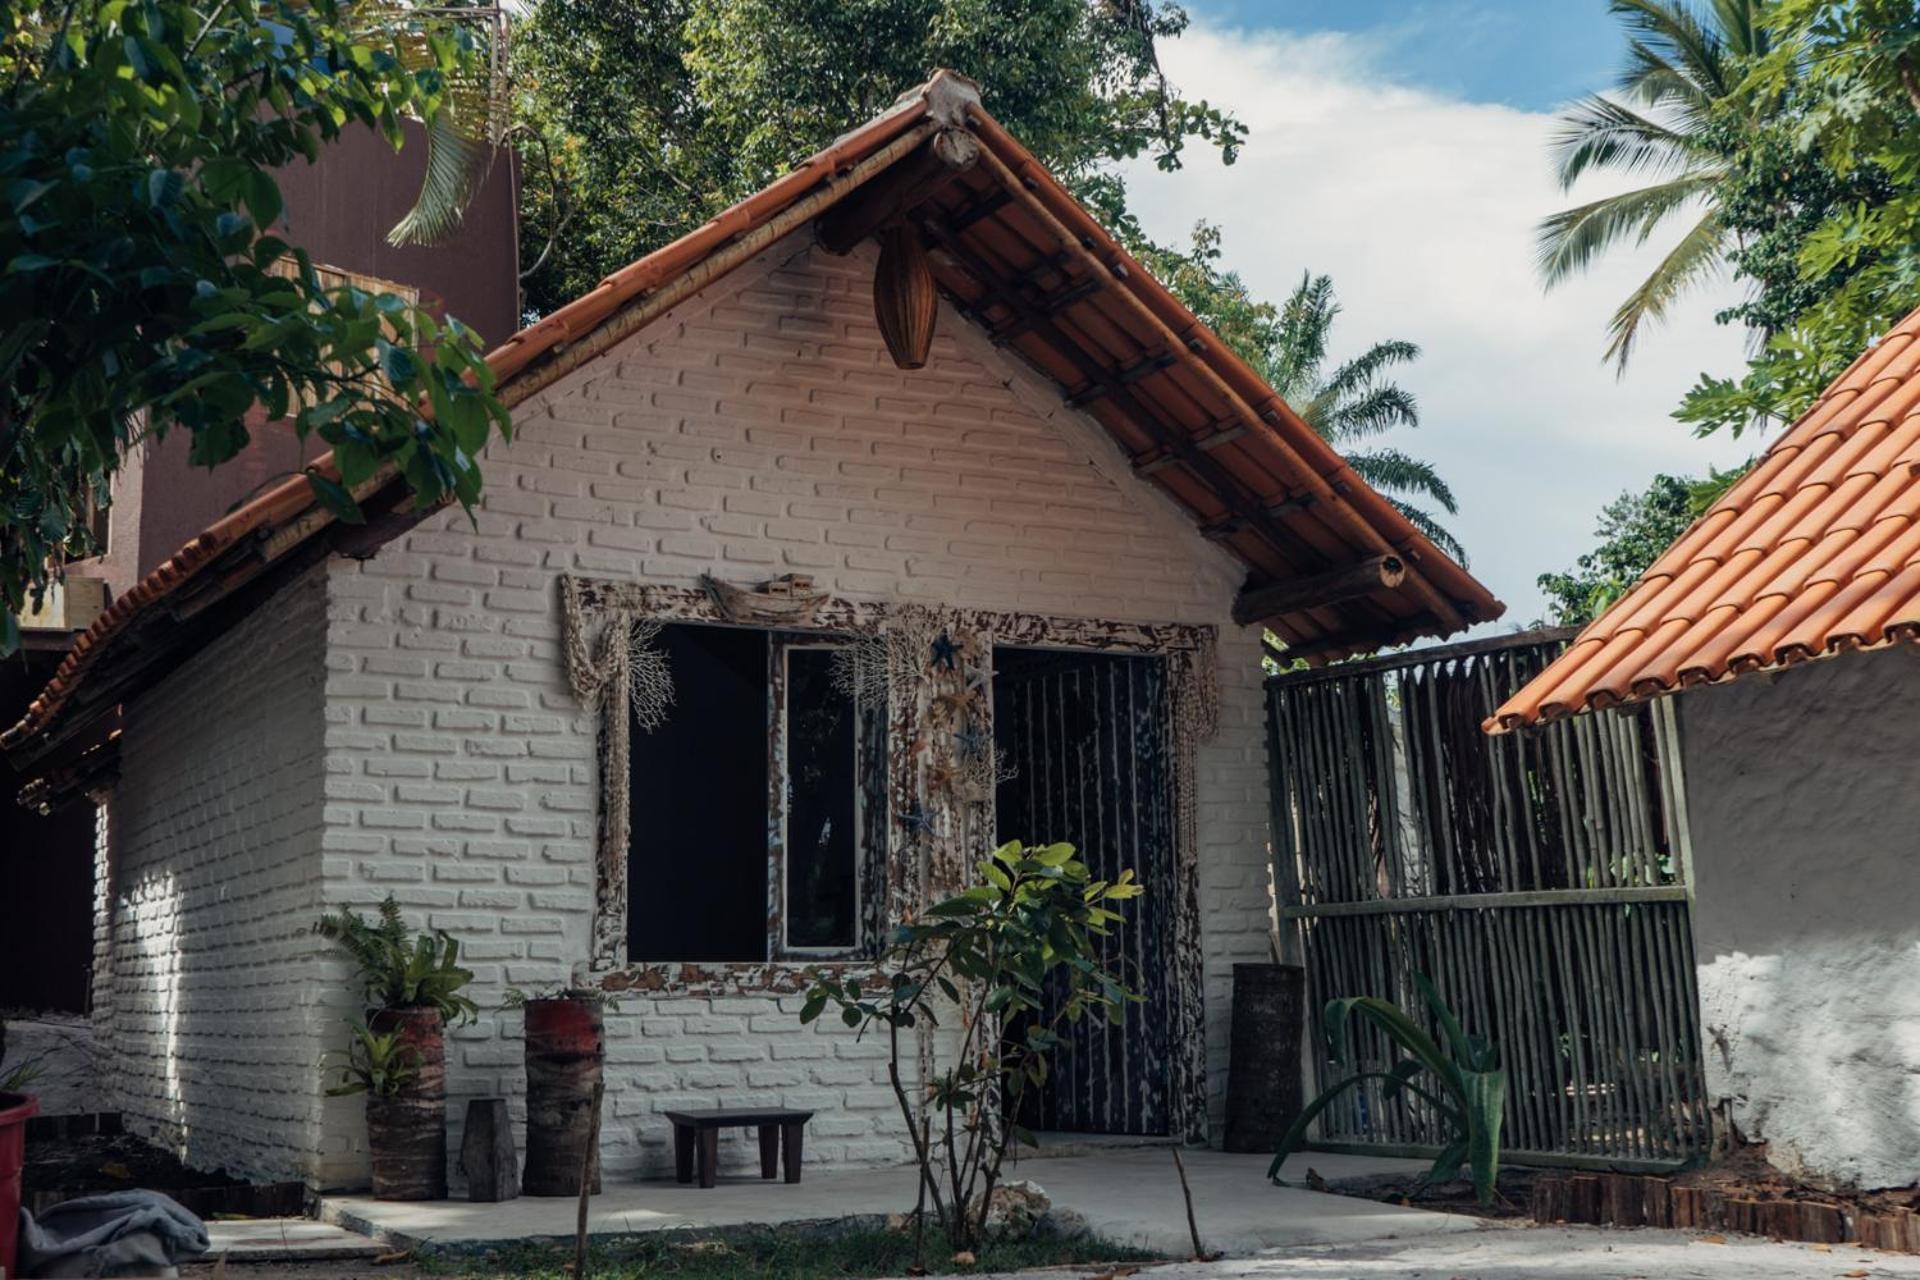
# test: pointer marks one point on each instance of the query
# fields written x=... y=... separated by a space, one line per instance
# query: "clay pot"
x=407 y=1132
x=1264 y=1066
x=566 y=1049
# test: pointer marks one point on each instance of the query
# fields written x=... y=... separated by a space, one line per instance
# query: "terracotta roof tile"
x=1205 y=428
x=1815 y=551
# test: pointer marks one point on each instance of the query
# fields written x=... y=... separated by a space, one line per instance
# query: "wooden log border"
x=927 y=858
x=1632 y=1200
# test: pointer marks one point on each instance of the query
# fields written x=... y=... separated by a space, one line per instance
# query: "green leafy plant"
x=380 y=1063
x=1015 y=960
x=402 y=971
x=145 y=284
x=1458 y=1075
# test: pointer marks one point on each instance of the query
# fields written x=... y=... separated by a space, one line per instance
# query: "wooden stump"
x=487 y=1155
x=566 y=1047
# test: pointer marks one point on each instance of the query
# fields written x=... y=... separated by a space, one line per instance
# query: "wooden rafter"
x=1335 y=586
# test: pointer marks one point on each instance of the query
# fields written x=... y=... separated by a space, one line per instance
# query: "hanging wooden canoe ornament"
x=905 y=301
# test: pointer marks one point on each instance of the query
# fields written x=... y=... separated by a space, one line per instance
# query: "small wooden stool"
x=781 y=1130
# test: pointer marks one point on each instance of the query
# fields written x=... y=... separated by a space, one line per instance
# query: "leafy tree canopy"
x=649 y=116
x=1631 y=533
x=1845 y=259
x=141 y=288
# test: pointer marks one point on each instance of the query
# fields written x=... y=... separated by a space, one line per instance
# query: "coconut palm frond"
x=1599 y=133
x=1570 y=240
x=1305 y=320
x=457 y=166
x=1698 y=256
x=1436 y=532
x=1360 y=373
x=1373 y=411
x=1675 y=34
x=1394 y=473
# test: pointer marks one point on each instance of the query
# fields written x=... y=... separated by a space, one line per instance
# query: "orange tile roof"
x=1814 y=552
x=1020 y=257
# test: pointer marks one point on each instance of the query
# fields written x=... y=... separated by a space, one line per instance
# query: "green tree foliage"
x=1685 y=70
x=141 y=288
x=1349 y=403
x=1849 y=72
x=646 y=117
x=1632 y=532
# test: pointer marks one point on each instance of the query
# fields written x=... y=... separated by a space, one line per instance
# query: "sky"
x=1400 y=146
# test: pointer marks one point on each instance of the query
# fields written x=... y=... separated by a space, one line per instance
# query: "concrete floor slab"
x=1497 y=1252
x=1130 y=1196
x=287 y=1240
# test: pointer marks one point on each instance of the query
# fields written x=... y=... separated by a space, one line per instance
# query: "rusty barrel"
x=566 y=1045
x=407 y=1132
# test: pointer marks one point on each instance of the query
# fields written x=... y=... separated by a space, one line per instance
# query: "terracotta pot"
x=1264 y=1068
x=566 y=1048
x=407 y=1132
x=15 y=1110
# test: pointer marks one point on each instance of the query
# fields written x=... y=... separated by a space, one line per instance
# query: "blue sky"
x=1531 y=54
x=1402 y=149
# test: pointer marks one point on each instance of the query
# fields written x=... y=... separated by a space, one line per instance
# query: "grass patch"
x=775 y=1253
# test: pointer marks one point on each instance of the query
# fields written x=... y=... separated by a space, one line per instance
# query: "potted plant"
x=412 y=985
x=566 y=1048
x=16 y=1107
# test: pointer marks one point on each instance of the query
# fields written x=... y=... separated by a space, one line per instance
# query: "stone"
x=487 y=1155
x=1016 y=1209
x=1063 y=1224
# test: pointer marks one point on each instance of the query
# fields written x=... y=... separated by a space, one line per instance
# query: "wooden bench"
x=781 y=1130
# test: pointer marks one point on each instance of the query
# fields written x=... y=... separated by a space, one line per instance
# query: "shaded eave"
x=1017 y=255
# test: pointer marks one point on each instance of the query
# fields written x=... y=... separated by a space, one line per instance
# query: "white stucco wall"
x=1804 y=804
x=206 y=1023
x=760 y=429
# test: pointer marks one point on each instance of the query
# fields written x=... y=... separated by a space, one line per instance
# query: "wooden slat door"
x=1086 y=742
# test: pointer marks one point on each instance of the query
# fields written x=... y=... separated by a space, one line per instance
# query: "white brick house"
x=362 y=714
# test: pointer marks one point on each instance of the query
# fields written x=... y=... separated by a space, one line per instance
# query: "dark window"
x=708 y=834
x=697 y=873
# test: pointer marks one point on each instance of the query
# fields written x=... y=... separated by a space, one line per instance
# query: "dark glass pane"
x=697 y=874
x=822 y=837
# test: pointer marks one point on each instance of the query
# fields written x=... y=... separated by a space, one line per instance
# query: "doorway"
x=1086 y=750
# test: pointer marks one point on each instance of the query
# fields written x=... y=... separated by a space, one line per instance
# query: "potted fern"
x=412 y=987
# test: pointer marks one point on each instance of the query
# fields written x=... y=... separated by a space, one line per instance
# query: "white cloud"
x=1422 y=209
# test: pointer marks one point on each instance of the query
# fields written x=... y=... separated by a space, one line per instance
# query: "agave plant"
x=399 y=971
x=376 y=1062
x=1458 y=1076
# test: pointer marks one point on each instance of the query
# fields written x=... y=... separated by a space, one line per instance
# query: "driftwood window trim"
x=916 y=869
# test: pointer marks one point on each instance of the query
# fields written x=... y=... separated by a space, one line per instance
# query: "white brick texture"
x=759 y=429
x=206 y=987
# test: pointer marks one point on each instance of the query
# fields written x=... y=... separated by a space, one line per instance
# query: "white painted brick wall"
x=207 y=972
x=759 y=429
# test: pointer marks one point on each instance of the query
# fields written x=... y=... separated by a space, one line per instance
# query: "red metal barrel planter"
x=407 y=1132
x=566 y=1047
x=15 y=1108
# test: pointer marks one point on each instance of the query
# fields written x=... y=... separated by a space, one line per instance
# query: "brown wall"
x=339 y=210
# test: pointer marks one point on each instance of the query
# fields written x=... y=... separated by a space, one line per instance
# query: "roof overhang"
x=1333 y=569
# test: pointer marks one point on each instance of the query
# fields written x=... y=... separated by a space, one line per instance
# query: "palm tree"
x=1683 y=65
x=1355 y=401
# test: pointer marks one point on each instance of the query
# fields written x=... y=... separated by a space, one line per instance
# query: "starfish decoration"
x=973 y=742
x=917 y=821
x=944 y=652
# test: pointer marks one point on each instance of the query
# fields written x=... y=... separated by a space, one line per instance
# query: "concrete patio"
x=1131 y=1196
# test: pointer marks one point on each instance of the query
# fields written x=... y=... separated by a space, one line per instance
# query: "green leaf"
x=262 y=196
x=335 y=498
